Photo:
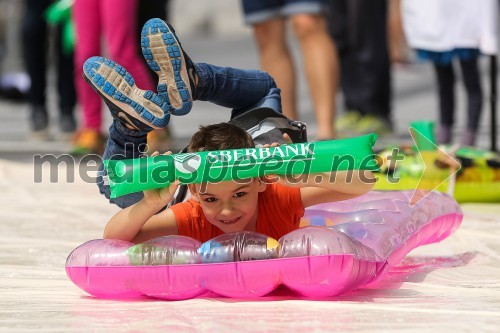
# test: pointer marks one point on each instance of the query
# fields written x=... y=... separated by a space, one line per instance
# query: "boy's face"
x=230 y=206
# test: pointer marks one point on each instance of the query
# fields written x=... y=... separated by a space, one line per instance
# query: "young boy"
x=215 y=208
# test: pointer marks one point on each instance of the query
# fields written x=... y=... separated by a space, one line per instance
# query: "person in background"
x=116 y=21
x=449 y=31
x=398 y=49
x=359 y=28
x=35 y=41
x=159 y=139
x=269 y=20
x=148 y=9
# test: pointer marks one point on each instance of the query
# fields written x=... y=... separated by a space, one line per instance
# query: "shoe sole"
x=117 y=87
x=164 y=55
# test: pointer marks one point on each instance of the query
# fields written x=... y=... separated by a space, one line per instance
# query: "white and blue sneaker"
x=176 y=72
x=141 y=110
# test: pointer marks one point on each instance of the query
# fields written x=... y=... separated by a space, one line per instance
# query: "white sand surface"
x=453 y=286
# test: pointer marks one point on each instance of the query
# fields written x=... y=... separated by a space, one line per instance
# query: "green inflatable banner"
x=134 y=175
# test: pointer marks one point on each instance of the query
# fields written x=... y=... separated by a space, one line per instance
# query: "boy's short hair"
x=218 y=137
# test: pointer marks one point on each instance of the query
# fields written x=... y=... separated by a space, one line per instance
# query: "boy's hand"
x=289 y=181
x=286 y=137
x=160 y=196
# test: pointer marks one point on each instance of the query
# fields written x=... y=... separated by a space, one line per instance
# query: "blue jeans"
x=237 y=89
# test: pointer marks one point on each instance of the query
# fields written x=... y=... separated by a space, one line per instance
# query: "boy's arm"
x=336 y=186
x=327 y=187
x=141 y=222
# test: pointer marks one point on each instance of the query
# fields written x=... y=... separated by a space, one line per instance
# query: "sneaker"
x=372 y=124
x=88 y=141
x=444 y=135
x=346 y=124
x=176 y=72
x=469 y=138
x=39 y=120
x=137 y=109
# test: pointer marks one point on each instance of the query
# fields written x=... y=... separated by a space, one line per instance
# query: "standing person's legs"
x=446 y=86
x=87 y=18
x=372 y=61
x=472 y=82
x=119 y=18
x=321 y=67
x=341 y=14
x=65 y=85
x=159 y=140
x=120 y=29
x=365 y=78
x=34 y=39
x=148 y=9
x=276 y=59
x=397 y=42
x=269 y=29
x=371 y=55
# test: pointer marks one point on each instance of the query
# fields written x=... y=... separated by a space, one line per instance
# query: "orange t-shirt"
x=280 y=209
